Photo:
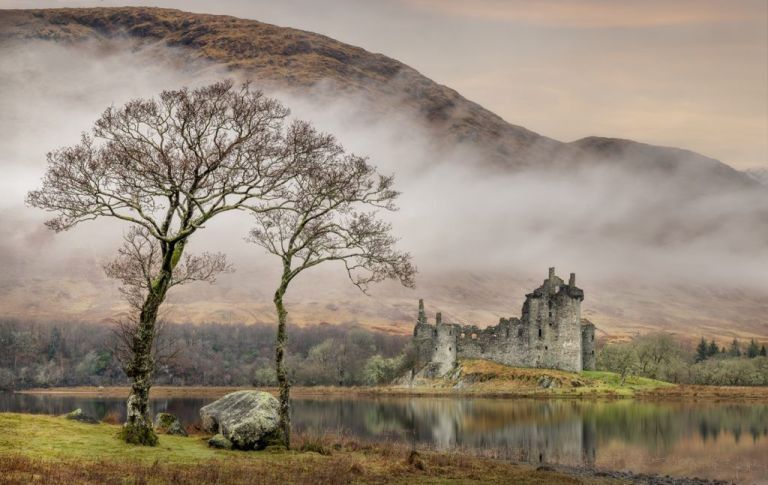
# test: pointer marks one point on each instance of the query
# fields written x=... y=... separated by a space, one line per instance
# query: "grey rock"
x=249 y=419
x=79 y=415
x=219 y=441
x=169 y=424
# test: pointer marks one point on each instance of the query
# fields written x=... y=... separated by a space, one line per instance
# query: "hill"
x=298 y=60
x=669 y=212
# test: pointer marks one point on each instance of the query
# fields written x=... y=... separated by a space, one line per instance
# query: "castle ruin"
x=549 y=334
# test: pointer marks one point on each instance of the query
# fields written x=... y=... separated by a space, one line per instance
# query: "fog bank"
x=469 y=230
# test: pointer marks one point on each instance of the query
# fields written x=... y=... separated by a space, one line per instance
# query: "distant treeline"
x=665 y=357
x=36 y=354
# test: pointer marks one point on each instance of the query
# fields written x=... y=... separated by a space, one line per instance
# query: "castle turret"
x=422 y=316
x=438 y=318
x=587 y=345
x=552 y=317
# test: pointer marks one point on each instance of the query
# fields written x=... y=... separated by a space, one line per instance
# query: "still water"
x=708 y=440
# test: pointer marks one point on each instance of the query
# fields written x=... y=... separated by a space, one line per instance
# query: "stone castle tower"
x=549 y=334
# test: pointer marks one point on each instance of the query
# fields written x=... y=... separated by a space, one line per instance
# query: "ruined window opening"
x=593 y=352
x=546 y=348
x=539 y=332
x=449 y=348
x=592 y=338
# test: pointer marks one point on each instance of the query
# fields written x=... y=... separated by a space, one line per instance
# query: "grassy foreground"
x=47 y=449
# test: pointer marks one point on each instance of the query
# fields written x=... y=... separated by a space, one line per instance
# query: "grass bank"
x=486 y=378
x=47 y=449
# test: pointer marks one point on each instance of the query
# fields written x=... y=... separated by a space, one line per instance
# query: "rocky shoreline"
x=630 y=476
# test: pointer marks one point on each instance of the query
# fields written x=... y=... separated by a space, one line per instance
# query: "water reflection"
x=713 y=440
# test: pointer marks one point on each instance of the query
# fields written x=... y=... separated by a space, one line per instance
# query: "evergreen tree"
x=702 y=350
x=753 y=350
x=762 y=351
x=712 y=349
x=735 y=350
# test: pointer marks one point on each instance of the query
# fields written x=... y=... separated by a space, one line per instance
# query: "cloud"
x=600 y=13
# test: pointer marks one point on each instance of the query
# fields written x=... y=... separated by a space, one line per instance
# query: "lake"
x=708 y=440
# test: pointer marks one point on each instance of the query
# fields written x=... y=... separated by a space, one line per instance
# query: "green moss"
x=138 y=435
x=219 y=441
x=165 y=420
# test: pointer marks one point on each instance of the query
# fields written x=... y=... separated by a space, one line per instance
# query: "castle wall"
x=548 y=335
x=588 y=347
x=504 y=343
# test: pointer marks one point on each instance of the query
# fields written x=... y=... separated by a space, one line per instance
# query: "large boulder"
x=249 y=419
x=169 y=424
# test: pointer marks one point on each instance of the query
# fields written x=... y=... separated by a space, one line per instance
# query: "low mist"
x=480 y=237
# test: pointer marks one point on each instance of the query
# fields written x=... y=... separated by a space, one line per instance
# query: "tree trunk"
x=138 y=428
x=282 y=374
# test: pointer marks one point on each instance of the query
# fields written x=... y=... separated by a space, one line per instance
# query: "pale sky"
x=685 y=73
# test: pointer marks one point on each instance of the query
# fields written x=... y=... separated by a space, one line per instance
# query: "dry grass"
x=340 y=468
x=58 y=451
x=112 y=417
x=707 y=393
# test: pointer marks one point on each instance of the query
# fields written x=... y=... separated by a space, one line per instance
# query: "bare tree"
x=320 y=221
x=167 y=166
x=136 y=264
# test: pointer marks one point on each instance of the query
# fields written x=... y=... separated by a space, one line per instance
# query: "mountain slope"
x=760 y=174
x=295 y=59
x=667 y=209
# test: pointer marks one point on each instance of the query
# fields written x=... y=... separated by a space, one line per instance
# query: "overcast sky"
x=686 y=73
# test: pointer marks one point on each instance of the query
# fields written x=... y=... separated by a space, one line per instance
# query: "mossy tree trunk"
x=138 y=427
x=280 y=347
